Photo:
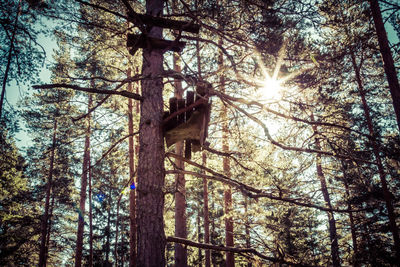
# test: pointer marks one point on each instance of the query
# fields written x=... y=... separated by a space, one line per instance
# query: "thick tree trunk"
x=331 y=219
x=230 y=257
x=206 y=214
x=382 y=175
x=132 y=193
x=180 y=194
x=388 y=63
x=151 y=172
x=84 y=178
x=45 y=218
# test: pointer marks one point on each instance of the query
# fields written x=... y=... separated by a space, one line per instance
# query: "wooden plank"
x=163 y=22
x=142 y=41
x=181 y=117
x=188 y=143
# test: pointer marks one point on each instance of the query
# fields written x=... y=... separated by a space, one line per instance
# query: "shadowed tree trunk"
x=49 y=227
x=388 y=65
x=45 y=218
x=375 y=147
x=331 y=218
x=151 y=172
x=85 y=170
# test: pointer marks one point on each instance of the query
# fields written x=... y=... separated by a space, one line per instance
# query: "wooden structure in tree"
x=136 y=41
x=188 y=119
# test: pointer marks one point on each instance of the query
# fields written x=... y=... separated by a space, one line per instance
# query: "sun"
x=270 y=88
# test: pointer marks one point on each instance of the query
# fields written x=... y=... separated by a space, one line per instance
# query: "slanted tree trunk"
x=180 y=184
x=206 y=214
x=132 y=193
x=85 y=170
x=331 y=218
x=151 y=172
x=230 y=256
x=9 y=59
x=45 y=218
x=375 y=147
x=388 y=64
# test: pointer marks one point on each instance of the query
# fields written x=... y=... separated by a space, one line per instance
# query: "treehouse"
x=187 y=119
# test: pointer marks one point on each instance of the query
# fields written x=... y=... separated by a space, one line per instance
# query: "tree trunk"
x=206 y=214
x=108 y=230
x=230 y=256
x=351 y=217
x=85 y=169
x=49 y=226
x=9 y=59
x=151 y=172
x=331 y=219
x=382 y=176
x=90 y=218
x=247 y=228
x=132 y=193
x=42 y=253
x=388 y=64
x=180 y=194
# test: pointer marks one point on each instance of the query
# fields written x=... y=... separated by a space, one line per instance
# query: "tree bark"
x=84 y=178
x=388 y=63
x=44 y=223
x=132 y=193
x=387 y=195
x=331 y=218
x=151 y=172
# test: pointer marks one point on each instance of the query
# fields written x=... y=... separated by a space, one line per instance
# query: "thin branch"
x=298 y=149
x=244 y=188
x=231 y=249
x=90 y=90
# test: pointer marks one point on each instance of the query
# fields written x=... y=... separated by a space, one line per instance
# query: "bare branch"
x=231 y=249
x=246 y=189
x=90 y=90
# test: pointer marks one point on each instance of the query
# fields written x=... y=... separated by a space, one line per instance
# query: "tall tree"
x=151 y=173
x=388 y=62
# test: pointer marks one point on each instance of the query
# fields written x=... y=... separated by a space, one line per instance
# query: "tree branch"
x=90 y=90
x=231 y=249
x=245 y=189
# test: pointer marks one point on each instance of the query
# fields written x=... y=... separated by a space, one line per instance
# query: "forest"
x=200 y=133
